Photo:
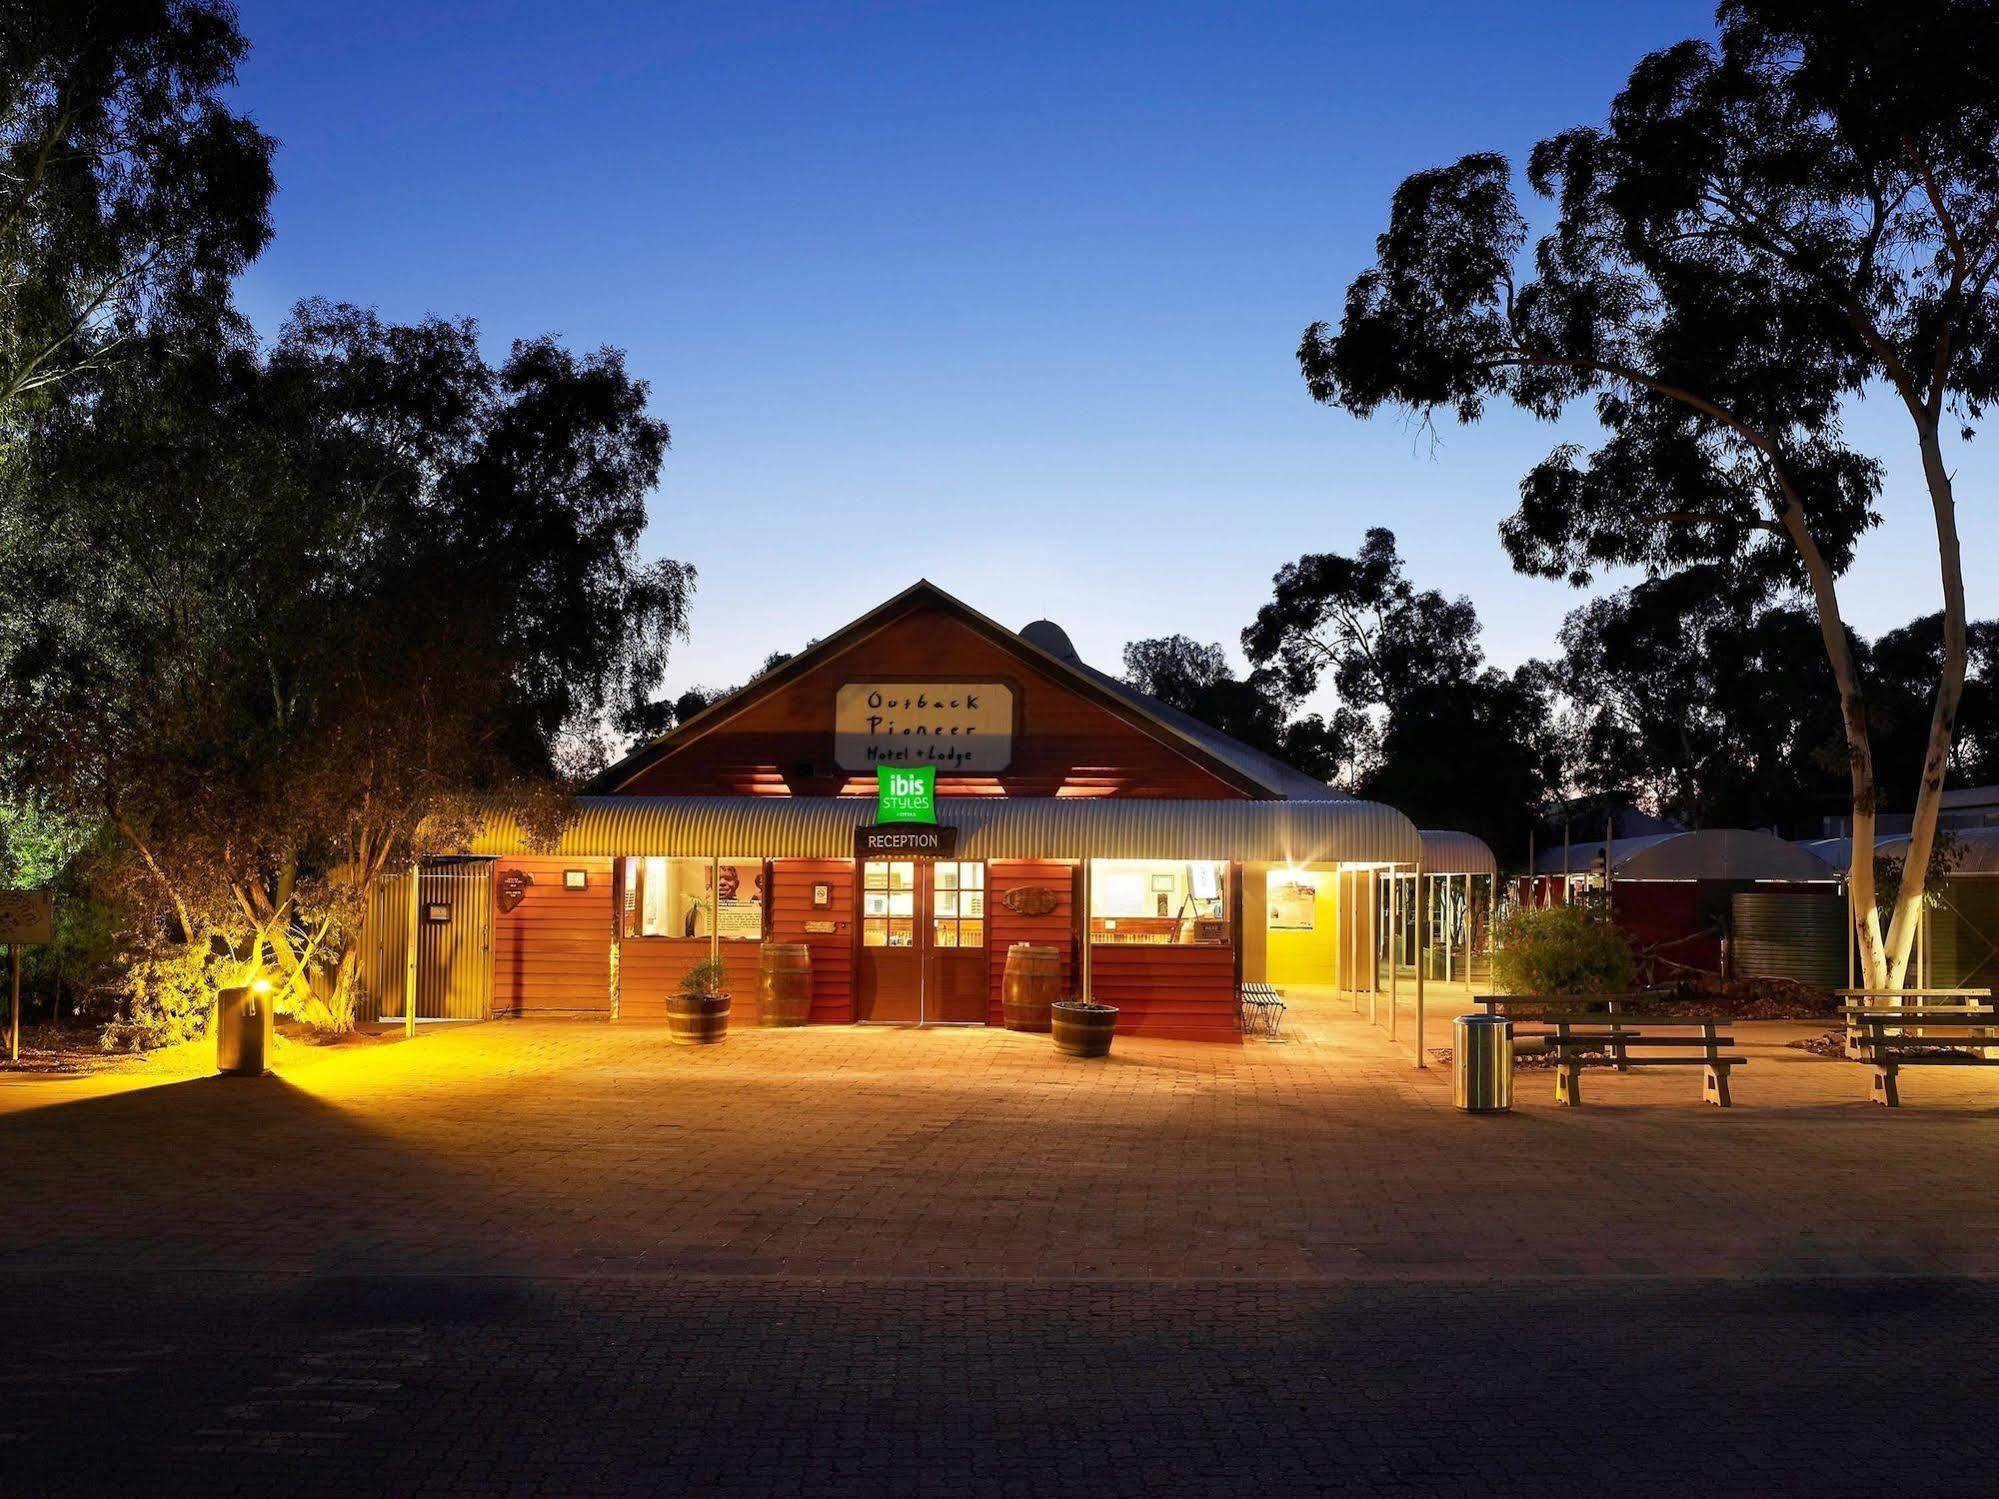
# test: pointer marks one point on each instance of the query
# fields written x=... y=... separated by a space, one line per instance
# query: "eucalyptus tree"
x=1766 y=227
x=129 y=191
x=274 y=613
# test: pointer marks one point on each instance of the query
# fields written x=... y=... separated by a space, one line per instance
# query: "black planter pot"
x=1083 y=1030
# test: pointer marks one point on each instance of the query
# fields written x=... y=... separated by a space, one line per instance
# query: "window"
x=1136 y=902
x=888 y=904
x=958 y=904
x=678 y=898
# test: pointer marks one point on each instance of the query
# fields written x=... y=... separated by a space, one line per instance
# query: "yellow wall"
x=1294 y=957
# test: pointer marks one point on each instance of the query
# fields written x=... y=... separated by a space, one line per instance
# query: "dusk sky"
x=1001 y=295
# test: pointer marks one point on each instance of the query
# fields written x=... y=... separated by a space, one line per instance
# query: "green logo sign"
x=906 y=795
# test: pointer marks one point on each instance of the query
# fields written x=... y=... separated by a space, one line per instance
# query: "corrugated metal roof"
x=1267 y=771
x=1709 y=854
x=783 y=827
x=1446 y=852
x=1977 y=849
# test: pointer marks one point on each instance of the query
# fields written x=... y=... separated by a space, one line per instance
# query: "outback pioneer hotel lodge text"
x=1166 y=863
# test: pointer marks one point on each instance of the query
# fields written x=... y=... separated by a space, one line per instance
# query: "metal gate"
x=454 y=943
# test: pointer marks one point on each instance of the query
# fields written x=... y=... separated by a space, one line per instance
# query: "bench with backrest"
x=1261 y=1008
x=1892 y=1029
x=1602 y=1030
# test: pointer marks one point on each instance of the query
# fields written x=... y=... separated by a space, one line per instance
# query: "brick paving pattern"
x=567 y=1258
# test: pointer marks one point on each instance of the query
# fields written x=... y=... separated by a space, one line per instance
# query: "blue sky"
x=1004 y=295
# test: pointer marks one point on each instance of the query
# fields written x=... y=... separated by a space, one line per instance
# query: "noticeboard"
x=27 y=917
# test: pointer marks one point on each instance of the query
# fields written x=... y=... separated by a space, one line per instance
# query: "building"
x=1167 y=863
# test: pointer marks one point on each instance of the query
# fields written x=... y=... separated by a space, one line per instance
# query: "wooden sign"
x=27 y=917
x=960 y=728
x=513 y=888
x=1031 y=900
x=821 y=928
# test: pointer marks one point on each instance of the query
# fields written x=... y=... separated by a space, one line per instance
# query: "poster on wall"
x=961 y=728
x=1294 y=907
x=739 y=910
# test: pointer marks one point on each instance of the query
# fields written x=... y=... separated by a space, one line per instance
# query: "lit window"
x=694 y=897
x=1143 y=903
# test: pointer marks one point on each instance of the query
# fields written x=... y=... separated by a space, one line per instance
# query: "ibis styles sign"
x=906 y=795
x=959 y=728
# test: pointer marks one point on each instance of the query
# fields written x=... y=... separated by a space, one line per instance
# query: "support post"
x=1373 y=948
x=14 y=1021
x=409 y=952
x=715 y=909
x=1422 y=941
x=1085 y=996
x=1395 y=937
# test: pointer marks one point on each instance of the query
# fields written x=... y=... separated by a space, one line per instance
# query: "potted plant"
x=697 y=1013
x=1083 y=1028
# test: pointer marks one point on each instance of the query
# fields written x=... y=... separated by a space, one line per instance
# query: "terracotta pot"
x=1083 y=1030
x=697 y=1019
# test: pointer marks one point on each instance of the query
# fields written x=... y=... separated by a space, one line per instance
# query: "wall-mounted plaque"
x=576 y=879
x=905 y=840
x=822 y=896
x=821 y=928
x=513 y=888
x=961 y=728
x=436 y=912
x=1031 y=900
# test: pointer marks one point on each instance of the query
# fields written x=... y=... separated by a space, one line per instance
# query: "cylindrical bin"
x=1482 y=1063
x=784 y=984
x=242 y=1029
x=1031 y=983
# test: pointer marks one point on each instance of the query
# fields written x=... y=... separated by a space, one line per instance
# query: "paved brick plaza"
x=863 y=1256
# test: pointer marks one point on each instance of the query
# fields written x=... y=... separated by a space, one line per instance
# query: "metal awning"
x=785 y=827
x=1456 y=853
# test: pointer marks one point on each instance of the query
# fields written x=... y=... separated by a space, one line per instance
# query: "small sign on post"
x=26 y=917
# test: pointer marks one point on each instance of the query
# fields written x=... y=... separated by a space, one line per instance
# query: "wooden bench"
x=1260 y=1008
x=1599 y=1031
x=1889 y=1036
x=1861 y=999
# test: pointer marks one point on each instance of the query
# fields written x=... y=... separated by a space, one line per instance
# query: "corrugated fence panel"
x=1788 y=936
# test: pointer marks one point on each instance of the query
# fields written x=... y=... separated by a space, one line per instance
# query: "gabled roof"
x=1708 y=854
x=1230 y=760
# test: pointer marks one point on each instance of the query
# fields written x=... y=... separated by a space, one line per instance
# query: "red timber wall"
x=650 y=968
x=1184 y=992
x=793 y=917
x=1064 y=740
x=1005 y=927
x=552 y=952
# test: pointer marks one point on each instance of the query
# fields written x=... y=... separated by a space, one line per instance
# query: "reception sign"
x=959 y=728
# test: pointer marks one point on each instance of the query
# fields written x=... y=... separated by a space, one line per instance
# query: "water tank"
x=1051 y=637
x=1788 y=936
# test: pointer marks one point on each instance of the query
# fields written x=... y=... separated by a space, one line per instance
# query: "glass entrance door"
x=923 y=943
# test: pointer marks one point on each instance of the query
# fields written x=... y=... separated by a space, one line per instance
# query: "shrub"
x=1562 y=950
x=168 y=995
x=706 y=978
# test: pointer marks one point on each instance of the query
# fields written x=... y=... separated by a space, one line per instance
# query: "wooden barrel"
x=784 y=983
x=1032 y=982
x=697 y=1019
x=1084 y=1030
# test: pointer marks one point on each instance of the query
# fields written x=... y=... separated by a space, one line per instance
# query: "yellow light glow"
x=261 y=986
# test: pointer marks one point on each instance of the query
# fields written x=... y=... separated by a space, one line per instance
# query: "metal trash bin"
x=243 y=1029
x=1482 y=1063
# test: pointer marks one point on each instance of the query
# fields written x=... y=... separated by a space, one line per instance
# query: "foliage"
x=1425 y=723
x=168 y=992
x=1569 y=949
x=1765 y=228
x=1890 y=871
x=706 y=979
x=1198 y=680
x=129 y=193
x=278 y=615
